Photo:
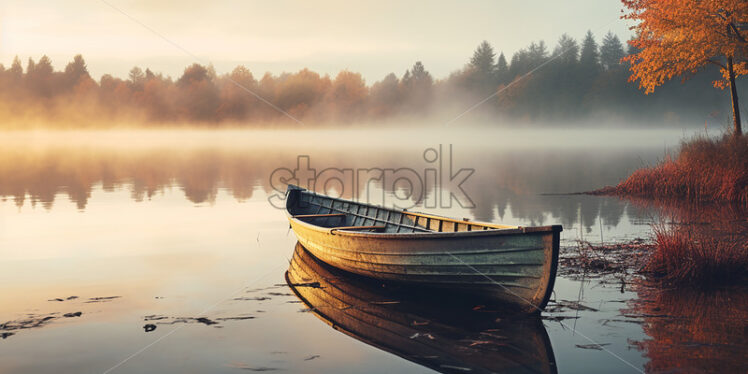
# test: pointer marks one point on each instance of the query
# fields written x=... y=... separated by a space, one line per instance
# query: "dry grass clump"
x=698 y=255
x=705 y=170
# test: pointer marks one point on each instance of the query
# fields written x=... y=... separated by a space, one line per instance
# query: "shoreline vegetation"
x=702 y=191
x=709 y=244
x=704 y=170
x=580 y=81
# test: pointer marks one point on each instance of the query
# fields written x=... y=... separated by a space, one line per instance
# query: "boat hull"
x=517 y=265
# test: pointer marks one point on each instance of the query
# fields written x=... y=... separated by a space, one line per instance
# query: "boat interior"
x=339 y=214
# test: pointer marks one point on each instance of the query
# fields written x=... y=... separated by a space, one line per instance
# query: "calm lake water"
x=105 y=234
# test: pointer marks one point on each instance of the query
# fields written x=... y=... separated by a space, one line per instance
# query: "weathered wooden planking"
x=510 y=263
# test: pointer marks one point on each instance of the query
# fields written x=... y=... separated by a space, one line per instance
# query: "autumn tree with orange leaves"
x=679 y=37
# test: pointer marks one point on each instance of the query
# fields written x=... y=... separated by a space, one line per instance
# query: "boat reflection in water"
x=457 y=337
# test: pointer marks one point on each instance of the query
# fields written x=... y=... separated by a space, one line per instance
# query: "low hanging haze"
x=374 y=38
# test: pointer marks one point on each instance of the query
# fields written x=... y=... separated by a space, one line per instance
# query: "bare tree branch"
x=716 y=63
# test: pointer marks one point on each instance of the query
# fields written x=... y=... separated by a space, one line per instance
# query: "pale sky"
x=373 y=38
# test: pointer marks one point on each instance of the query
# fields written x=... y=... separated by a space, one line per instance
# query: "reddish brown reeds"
x=698 y=254
x=704 y=170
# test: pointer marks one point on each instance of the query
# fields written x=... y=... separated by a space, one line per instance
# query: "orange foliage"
x=678 y=37
x=297 y=93
x=349 y=92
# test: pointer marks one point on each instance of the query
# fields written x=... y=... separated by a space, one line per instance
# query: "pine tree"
x=502 y=70
x=406 y=77
x=417 y=85
x=30 y=67
x=39 y=76
x=537 y=53
x=567 y=50
x=589 y=59
x=515 y=67
x=611 y=52
x=385 y=96
x=76 y=70
x=44 y=66
x=562 y=86
x=482 y=77
x=16 y=70
x=137 y=77
x=483 y=60
x=419 y=74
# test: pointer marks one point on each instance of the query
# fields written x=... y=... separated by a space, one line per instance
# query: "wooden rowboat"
x=516 y=265
x=449 y=337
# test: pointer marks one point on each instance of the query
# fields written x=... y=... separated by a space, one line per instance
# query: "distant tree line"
x=573 y=81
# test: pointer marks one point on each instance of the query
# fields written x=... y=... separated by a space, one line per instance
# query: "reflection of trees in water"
x=522 y=181
x=692 y=330
x=43 y=175
x=567 y=210
x=611 y=211
x=503 y=182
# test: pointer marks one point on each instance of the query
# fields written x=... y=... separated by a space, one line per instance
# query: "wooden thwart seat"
x=373 y=228
x=319 y=215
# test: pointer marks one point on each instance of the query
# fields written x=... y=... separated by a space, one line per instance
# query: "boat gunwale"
x=494 y=229
x=425 y=234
